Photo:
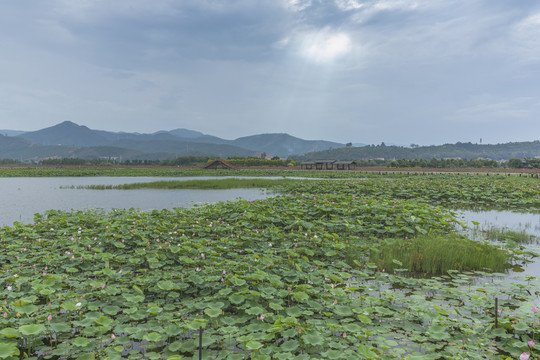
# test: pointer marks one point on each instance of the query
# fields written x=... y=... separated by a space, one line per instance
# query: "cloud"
x=323 y=46
x=526 y=34
x=486 y=112
x=381 y=69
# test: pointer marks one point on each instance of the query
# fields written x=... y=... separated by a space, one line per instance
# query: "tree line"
x=434 y=163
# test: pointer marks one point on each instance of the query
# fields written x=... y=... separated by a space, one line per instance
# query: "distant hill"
x=506 y=151
x=68 y=139
x=283 y=145
x=66 y=133
x=11 y=132
x=184 y=133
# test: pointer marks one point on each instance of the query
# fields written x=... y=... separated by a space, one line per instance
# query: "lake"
x=506 y=220
x=24 y=197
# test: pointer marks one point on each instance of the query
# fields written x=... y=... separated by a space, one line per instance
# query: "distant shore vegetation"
x=247 y=162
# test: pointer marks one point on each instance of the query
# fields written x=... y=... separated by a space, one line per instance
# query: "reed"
x=437 y=253
x=520 y=237
x=212 y=184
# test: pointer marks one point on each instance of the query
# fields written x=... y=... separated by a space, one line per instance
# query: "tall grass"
x=210 y=184
x=520 y=237
x=437 y=253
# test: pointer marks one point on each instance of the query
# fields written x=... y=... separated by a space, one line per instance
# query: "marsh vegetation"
x=322 y=270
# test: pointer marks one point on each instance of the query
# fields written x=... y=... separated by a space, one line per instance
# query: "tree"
x=515 y=163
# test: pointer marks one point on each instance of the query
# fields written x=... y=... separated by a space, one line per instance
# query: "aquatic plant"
x=287 y=277
x=438 y=253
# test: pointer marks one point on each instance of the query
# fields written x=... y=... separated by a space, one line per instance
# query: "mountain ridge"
x=68 y=137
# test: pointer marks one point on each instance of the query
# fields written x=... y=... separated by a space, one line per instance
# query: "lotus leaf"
x=32 y=330
x=10 y=332
x=80 y=342
x=8 y=349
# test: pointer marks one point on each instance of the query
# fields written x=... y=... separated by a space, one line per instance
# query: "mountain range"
x=68 y=139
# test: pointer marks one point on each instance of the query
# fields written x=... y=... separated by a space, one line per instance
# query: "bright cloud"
x=325 y=46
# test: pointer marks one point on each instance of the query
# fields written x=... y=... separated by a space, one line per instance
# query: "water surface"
x=23 y=197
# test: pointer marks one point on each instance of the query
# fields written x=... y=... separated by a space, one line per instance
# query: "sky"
x=363 y=71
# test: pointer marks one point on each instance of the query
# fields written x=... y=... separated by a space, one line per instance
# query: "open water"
x=21 y=198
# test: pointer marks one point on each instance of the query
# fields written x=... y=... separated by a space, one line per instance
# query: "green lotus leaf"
x=153 y=337
x=69 y=306
x=104 y=320
x=301 y=296
x=111 y=309
x=236 y=299
x=10 y=332
x=134 y=298
x=152 y=355
x=81 y=342
x=237 y=281
x=255 y=311
x=313 y=339
x=342 y=310
x=294 y=311
x=154 y=310
x=166 y=285
x=213 y=312
x=367 y=353
x=175 y=346
x=520 y=326
x=46 y=292
x=253 y=345
x=8 y=349
x=334 y=354
x=275 y=306
x=175 y=357
x=87 y=356
x=352 y=327
x=290 y=345
x=32 y=330
x=59 y=327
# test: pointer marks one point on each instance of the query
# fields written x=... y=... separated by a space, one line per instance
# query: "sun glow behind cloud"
x=324 y=46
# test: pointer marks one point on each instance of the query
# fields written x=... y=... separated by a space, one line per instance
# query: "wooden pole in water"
x=496 y=312
x=200 y=342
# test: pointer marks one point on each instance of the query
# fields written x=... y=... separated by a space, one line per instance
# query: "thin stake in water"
x=496 y=312
x=200 y=342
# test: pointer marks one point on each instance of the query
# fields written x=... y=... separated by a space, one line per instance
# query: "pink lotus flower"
x=5 y=315
x=300 y=330
x=524 y=356
x=534 y=309
x=112 y=336
x=531 y=343
x=49 y=317
x=344 y=334
x=335 y=301
x=103 y=286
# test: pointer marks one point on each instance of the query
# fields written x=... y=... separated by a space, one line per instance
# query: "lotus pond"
x=302 y=275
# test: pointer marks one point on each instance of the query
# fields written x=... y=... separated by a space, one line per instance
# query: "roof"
x=219 y=162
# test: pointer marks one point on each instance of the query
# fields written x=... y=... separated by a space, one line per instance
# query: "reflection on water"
x=518 y=223
x=24 y=197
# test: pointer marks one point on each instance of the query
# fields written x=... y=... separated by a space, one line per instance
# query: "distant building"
x=219 y=164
